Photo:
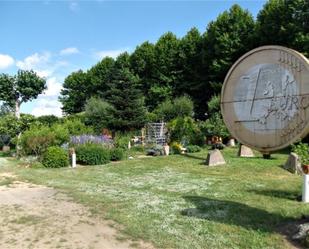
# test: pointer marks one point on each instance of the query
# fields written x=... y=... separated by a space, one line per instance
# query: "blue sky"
x=55 y=38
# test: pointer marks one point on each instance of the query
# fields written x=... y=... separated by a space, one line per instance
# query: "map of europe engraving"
x=265 y=98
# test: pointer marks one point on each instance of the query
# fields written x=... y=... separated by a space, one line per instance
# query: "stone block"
x=214 y=158
x=245 y=151
x=293 y=164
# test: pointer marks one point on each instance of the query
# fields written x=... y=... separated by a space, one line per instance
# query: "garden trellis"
x=156 y=133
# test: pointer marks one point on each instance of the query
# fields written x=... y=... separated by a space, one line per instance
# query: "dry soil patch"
x=34 y=216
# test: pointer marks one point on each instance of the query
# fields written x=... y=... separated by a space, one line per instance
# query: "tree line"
x=195 y=64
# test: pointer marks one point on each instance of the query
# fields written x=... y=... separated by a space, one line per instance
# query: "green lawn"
x=177 y=202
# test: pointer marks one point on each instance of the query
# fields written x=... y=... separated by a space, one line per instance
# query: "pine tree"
x=129 y=112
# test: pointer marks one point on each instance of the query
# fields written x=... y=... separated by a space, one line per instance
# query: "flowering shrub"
x=86 y=139
x=176 y=148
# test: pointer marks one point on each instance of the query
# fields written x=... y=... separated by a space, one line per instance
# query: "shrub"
x=183 y=130
x=180 y=107
x=116 y=154
x=55 y=157
x=215 y=126
x=36 y=140
x=76 y=127
x=37 y=165
x=193 y=148
x=98 y=113
x=48 y=120
x=9 y=125
x=122 y=140
x=302 y=150
x=92 y=154
x=61 y=134
x=5 y=140
x=138 y=148
x=176 y=148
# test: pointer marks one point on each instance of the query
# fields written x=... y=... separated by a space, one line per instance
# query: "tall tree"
x=20 y=88
x=166 y=70
x=142 y=62
x=284 y=22
x=98 y=114
x=124 y=94
x=191 y=79
x=99 y=76
x=226 y=39
x=75 y=92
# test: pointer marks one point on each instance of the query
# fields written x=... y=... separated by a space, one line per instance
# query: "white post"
x=306 y=188
x=73 y=160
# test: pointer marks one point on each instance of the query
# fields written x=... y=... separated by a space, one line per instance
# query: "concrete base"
x=245 y=151
x=215 y=158
x=293 y=164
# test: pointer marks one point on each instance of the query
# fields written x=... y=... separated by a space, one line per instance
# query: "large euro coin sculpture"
x=265 y=98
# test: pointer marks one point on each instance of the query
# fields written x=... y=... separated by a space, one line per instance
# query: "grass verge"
x=177 y=202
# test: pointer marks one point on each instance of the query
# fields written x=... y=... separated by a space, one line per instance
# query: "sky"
x=56 y=38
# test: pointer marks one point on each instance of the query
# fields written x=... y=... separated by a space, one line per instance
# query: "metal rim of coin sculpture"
x=265 y=98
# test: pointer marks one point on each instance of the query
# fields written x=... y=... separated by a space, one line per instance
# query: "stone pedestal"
x=214 y=158
x=293 y=164
x=245 y=151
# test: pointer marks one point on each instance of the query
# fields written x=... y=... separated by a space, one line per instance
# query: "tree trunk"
x=17 y=109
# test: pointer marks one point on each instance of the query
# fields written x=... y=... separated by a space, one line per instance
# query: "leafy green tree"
x=21 y=88
x=48 y=120
x=192 y=77
x=75 y=92
x=5 y=109
x=99 y=77
x=180 y=107
x=214 y=104
x=166 y=70
x=226 y=39
x=214 y=125
x=284 y=22
x=142 y=62
x=124 y=94
x=9 y=125
x=183 y=130
x=98 y=113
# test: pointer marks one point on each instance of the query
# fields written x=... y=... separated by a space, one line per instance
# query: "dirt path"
x=33 y=216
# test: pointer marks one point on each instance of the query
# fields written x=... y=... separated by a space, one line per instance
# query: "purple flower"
x=84 y=139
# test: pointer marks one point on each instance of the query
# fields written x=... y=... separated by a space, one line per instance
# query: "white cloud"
x=68 y=51
x=37 y=62
x=6 y=61
x=47 y=107
x=109 y=53
x=53 y=87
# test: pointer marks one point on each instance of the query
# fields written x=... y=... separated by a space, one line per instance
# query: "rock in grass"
x=245 y=151
x=215 y=158
x=293 y=164
x=302 y=233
